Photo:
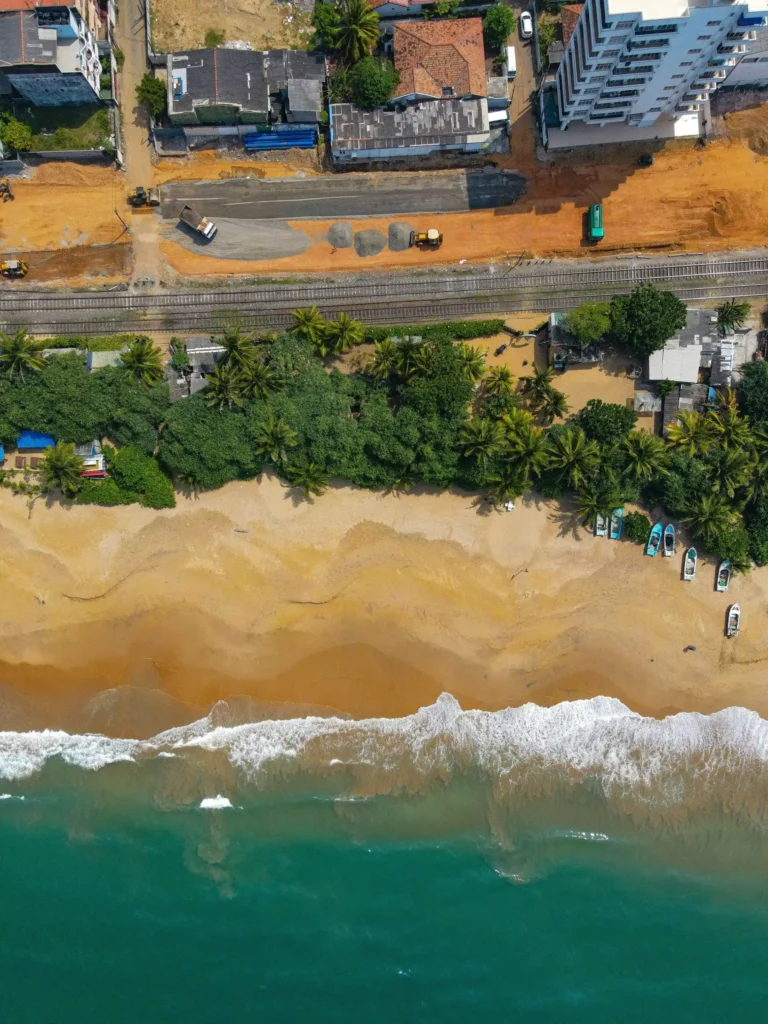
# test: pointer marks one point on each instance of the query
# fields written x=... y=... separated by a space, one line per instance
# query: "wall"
x=751 y=71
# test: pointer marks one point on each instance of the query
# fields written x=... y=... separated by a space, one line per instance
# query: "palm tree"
x=408 y=359
x=143 y=361
x=730 y=429
x=593 y=500
x=259 y=381
x=692 y=433
x=732 y=469
x=473 y=361
x=526 y=447
x=224 y=388
x=358 y=31
x=309 y=476
x=516 y=418
x=644 y=455
x=575 y=456
x=553 y=406
x=19 y=354
x=537 y=387
x=480 y=439
x=506 y=483
x=731 y=315
x=385 y=358
x=341 y=334
x=308 y=324
x=61 y=469
x=709 y=517
x=727 y=399
x=498 y=383
x=240 y=352
x=274 y=439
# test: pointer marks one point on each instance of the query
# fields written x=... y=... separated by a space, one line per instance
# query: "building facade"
x=632 y=61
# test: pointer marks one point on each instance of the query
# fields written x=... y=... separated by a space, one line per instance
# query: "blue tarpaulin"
x=2 y=453
x=33 y=439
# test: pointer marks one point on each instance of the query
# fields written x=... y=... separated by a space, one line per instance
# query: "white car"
x=526 y=25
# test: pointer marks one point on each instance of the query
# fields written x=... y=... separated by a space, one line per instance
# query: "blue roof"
x=2 y=453
x=32 y=439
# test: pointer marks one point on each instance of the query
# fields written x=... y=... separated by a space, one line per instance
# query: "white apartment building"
x=630 y=61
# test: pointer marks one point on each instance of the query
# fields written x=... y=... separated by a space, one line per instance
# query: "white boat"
x=601 y=525
x=734 y=621
x=689 y=565
x=723 y=576
x=669 y=540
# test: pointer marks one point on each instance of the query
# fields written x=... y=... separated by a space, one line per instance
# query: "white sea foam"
x=215 y=803
x=600 y=741
x=10 y=796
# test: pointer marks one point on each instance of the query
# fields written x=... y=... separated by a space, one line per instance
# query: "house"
x=33 y=445
x=564 y=351
x=222 y=86
x=700 y=350
x=203 y=354
x=49 y=54
x=441 y=103
x=94 y=462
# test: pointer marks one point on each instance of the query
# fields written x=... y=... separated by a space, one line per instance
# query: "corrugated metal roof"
x=675 y=362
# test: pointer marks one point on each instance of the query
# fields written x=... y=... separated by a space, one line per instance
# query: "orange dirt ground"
x=208 y=165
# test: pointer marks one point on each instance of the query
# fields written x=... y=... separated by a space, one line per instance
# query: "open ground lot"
x=265 y=24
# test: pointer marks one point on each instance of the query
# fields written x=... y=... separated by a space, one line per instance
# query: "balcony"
x=722 y=48
x=746 y=37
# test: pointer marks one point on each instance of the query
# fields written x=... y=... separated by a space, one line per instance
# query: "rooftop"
x=22 y=41
x=434 y=122
x=569 y=17
x=440 y=58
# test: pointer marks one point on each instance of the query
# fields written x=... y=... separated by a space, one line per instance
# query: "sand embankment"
x=366 y=603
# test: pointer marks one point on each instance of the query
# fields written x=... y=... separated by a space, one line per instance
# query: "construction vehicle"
x=6 y=191
x=431 y=238
x=141 y=196
x=200 y=224
x=14 y=268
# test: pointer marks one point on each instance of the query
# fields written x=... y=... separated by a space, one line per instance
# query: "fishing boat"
x=601 y=525
x=617 y=521
x=654 y=541
x=734 y=621
x=689 y=565
x=723 y=576
x=669 y=540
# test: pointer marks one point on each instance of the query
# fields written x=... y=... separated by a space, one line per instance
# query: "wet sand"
x=361 y=603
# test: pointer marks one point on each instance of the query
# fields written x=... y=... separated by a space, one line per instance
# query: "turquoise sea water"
x=440 y=868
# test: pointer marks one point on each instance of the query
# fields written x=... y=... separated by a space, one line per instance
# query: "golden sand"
x=365 y=603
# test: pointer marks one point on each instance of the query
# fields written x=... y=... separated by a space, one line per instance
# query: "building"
x=639 y=62
x=563 y=351
x=752 y=70
x=444 y=101
x=221 y=86
x=49 y=54
x=699 y=350
x=100 y=360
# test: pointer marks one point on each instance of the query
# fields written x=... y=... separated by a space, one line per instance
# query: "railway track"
x=385 y=300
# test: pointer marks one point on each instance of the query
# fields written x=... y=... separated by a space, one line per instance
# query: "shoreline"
x=360 y=603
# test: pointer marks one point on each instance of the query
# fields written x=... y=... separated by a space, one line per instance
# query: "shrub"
x=605 y=421
x=325 y=19
x=637 y=527
x=150 y=92
x=15 y=134
x=214 y=37
x=372 y=80
x=498 y=22
x=753 y=390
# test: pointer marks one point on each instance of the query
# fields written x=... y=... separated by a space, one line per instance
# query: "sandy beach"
x=127 y=621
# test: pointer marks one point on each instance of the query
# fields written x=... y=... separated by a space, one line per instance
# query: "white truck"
x=202 y=225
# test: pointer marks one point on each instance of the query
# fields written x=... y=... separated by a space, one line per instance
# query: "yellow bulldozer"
x=431 y=239
x=14 y=268
x=141 y=196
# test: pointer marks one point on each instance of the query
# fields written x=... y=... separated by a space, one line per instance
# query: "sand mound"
x=341 y=234
x=399 y=237
x=369 y=243
x=73 y=174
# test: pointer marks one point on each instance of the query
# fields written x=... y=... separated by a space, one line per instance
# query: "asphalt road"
x=345 y=195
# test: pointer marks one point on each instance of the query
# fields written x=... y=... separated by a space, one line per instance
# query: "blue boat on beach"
x=617 y=521
x=654 y=541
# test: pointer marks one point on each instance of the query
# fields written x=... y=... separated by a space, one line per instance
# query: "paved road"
x=346 y=195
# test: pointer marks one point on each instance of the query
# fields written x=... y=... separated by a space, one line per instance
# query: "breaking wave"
x=687 y=760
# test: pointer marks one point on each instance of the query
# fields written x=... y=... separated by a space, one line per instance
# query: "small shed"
x=31 y=441
x=98 y=360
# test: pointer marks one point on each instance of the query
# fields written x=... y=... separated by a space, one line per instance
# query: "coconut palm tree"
x=274 y=439
x=385 y=358
x=224 y=388
x=729 y=428
x=143 y=361
x=553 y=406
x=409 y=361
x=507 y=483
x=575 y=456
x=240 y=351
x=731 y=315
x=643 y=456
x=594 y=499
x=709 y=517
x=516 y=418
x=309 y=476
x=358 y=30
x=526 y=447
x=61 y=469
x=473 y=361
x=259 y=381
x=727 y=398
x=19 y=354
x=341 y=334
x=537 y=386
x=480 y=439
x=498 y=382
x=308 y=324
x=692 y=433
x=731 y=468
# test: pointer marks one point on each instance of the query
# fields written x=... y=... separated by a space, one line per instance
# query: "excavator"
x=6 y=191
x=141 y=196
x=14 y=268
x=431 y=239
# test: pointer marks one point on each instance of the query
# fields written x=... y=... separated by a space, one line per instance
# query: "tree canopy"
x=150 y=92
x=498 y=22
x=646 y=318
x=372 y=80
x=589 y=322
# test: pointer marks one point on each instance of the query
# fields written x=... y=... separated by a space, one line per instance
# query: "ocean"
x=571 y=864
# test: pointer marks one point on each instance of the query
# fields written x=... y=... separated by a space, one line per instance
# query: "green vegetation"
x=547 y=35
x=61 y=469
x=731 y=315
x=357 y=33
x=637 y=527
x=150 y=92
x=15 y=134
x=605 y=422
x=646 y=318
x=442 y=9
x=325 y=19
x=498 y=22
x=47 y=128
x=589 y=323
x=372 y=80
x=104 y=343
x=214 y=37
x=134 y=477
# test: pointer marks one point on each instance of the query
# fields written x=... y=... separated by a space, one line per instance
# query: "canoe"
x=601 y=526
x=734 y=621
x=723 y=576
x=617 y=521
x=669 y=540
x=689 y=565
x=654 y=541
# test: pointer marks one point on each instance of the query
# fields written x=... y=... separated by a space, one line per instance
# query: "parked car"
x=526 y=25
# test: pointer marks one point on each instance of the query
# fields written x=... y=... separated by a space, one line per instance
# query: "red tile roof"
x=569 y=17
x=433 y=56
x=29 y=5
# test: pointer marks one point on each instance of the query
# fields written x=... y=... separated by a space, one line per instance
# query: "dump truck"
x=14 y=268
x=431 y=238
x=200 y=224
x=141 y=196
